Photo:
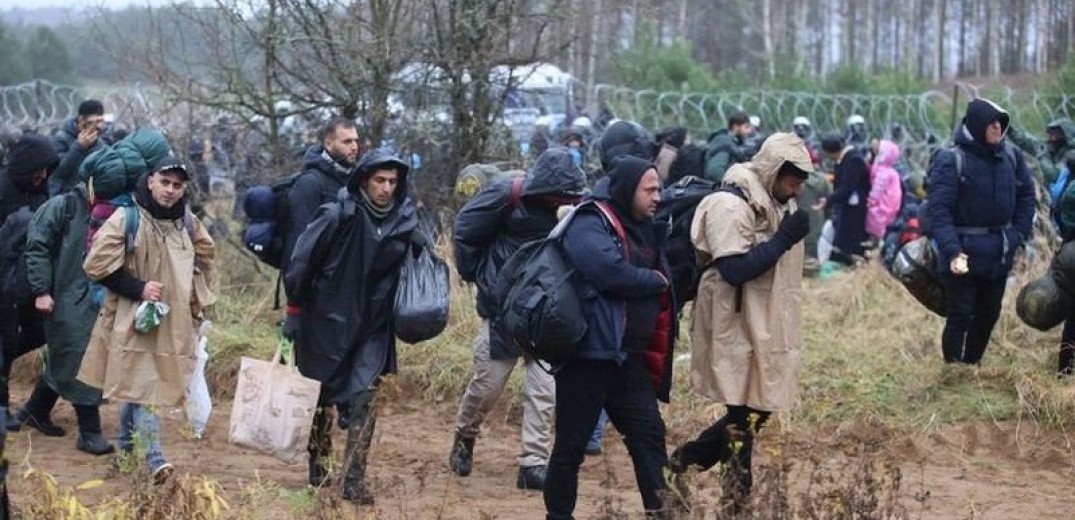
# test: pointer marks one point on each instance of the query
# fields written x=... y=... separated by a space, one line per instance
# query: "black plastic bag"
x=914 y=267
x=422 y=297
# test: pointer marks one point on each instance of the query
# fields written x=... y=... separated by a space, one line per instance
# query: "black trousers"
x=973 y=306
x=729 y=440
x=1067 y=345
x=21 y=331
x=583 y=388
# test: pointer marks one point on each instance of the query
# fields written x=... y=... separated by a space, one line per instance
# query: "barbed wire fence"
x=925 y=119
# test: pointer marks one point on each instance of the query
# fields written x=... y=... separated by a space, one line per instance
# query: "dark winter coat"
x=722 y=151
x=320 y=182
x=489 y=228
x=28 y=156
x=65 y=140
x=989 y=210
x=343 y=276
x=608 y=282
x=848 y=202
x=55 y=248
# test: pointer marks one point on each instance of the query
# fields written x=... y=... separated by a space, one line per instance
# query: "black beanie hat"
x=29 y=155
x=624 y=176
x=626 y=138
x=91 y=107
x=833 y=143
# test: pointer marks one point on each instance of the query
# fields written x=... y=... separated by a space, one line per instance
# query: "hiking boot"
x=358 y=493
x=94 y=444
x=43 y=425
x=11 y=422
x=593 y=449
x=461 y=459
x=531 y=477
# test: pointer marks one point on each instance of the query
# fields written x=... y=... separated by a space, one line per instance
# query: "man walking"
x=489 y=229
x=624 y=362
x=341 y=283
x=746 y=329
x=168 y=260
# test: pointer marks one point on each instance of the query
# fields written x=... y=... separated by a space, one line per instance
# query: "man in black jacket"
x=341 y=283
x=24 y=185
x=326 y=169
x=489 y=229
x=74 y=141
x=848 y=200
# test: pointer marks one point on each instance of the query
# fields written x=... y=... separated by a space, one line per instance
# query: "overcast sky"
x=29 y=4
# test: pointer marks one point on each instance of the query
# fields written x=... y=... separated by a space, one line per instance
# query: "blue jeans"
x=137 y=420
x=598 y=431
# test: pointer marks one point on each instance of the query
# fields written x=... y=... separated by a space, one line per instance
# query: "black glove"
x=794 y=227
x=291 y=326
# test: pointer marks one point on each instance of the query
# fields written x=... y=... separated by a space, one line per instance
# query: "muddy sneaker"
x=531 y=477
x=162 y=473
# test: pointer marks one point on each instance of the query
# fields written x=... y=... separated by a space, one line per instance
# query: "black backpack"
x=690 y=160
x=678 y=203
x=269 y=219
x=14 y=284
x=540 y=313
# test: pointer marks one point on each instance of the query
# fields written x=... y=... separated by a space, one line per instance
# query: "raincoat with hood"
x=491 y=227
x=151 y=368
x=987 y=211
x=343 y=277
x=1050 y=158
x=746 y=340
x=886 y=193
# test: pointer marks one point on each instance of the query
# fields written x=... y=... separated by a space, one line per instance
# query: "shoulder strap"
x=516 y=196
x=617 y=226
x=130 y=227
x=958 y=152
x=734 y=190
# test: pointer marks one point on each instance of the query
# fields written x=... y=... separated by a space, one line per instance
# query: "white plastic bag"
x=149 y=315
x=198 y=403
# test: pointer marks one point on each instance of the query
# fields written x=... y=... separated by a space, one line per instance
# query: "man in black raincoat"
x=341 y=284
x=488 y=231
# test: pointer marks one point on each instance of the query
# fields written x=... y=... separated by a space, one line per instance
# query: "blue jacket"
x=986 y=212
x=607 y=281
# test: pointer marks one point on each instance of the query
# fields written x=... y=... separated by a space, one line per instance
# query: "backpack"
x=690 y=160
x=14 y=284
x=269 y=220
x=540 y=311
x=100 y=212
x=678 y=204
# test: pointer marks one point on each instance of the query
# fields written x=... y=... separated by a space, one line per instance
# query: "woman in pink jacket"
x=886 y=194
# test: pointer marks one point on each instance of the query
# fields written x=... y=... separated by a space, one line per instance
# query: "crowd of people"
x=105 y=237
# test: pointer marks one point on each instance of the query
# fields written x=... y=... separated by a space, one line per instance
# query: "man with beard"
x=326 y=169
x=341 y=283
x=624 y=361
x=746 y=329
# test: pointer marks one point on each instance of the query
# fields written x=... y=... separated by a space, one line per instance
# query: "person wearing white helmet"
x=856 y=134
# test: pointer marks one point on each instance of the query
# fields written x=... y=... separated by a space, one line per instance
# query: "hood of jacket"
x=314 y=159
x=980 y=114
x=1066 y=127
x=372 y=161
x=625 y=138
x=554 y=173
x=757 y=177
x=888 y=154
x=28 y=156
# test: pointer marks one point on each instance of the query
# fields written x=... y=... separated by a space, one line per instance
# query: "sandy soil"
x=971 y=471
